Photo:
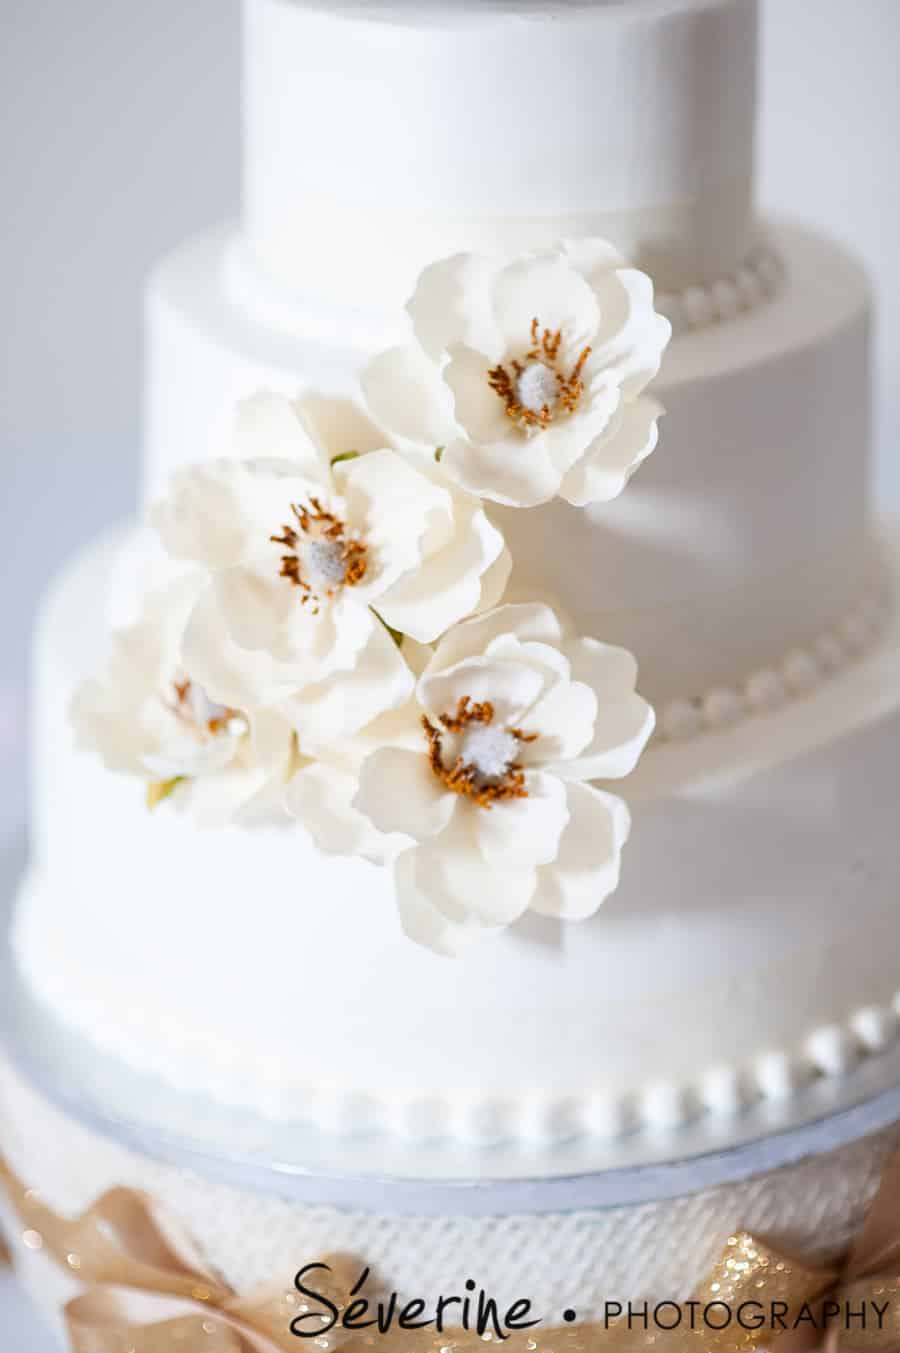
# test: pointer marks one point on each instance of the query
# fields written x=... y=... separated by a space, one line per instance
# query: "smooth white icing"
x=713 y=563
x=380 y=137
x=751 y=944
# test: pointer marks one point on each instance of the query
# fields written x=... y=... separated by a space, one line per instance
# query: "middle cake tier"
x=743 y=537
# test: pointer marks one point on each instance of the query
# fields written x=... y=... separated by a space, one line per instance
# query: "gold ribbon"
x=147 y=1290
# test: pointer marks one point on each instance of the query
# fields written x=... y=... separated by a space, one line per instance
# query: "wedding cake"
x=559 y=587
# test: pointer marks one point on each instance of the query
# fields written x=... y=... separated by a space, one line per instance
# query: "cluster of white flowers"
x=332 y=645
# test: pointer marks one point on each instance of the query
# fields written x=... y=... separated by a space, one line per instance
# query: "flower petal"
x=346 y=701
x=449 y=899
x=586 y=869
x=564 y=719
x=511 y=687
x=448 y=584
x=337 y=425
x=398 y=792
x=624 y=720
x=632 y=336
x=479 y=410
x=549 y=289
x=320 y=796
x=523 y=833
x=270 y=427
x=407 y=396
x=517 y=472
x=528 y=622
x=452 y=304
x=612 y=458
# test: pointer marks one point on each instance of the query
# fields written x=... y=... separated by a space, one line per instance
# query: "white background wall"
x=119 y=135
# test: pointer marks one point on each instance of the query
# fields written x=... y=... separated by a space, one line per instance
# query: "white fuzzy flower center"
x=326 y=563
x=203 y=716
x=490 y=749
x=537 y=388
x=482 y=761
x=321 y=556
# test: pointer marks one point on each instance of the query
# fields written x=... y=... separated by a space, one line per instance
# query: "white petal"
x=593 y=258
x=624 y=720
x=348 y=700
x=231 y=675
x=494 y=581
x=453 y=304
x=200 y=518
x=511 y=687
x=405 y=392
x=399 y=792
x=448 y=584
x=217 y=800
x=479 y=410
x=270 y=427
x=338 y=425
x=612 y=459
x=564 y=719
x=321 y=796
x=517 y=472
x=631 y=337
x=586 y=869
x=402 y=513
x=527 y=621
x=549 y=289
x=448 y=898
x=523 y=833
x=191 y=758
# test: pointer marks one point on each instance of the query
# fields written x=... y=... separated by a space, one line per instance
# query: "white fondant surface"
x=380 y=137
x=753 y=940
x=744 y=535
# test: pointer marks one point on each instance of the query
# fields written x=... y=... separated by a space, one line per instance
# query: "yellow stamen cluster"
x=545 y=349
x=316 y=524
x=465 y=778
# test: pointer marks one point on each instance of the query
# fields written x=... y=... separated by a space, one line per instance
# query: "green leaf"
x=345 y=455
x=439 y=452
x=159 y=790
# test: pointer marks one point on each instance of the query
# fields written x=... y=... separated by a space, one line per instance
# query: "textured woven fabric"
x=578 y=1258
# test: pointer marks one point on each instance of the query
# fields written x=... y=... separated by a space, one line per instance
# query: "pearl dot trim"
x=798 y=673
x=759 y=279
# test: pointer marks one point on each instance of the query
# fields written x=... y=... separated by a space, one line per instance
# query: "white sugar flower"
x=529 y=374
x=515 y=715
x=147 y=717
x=318 y=540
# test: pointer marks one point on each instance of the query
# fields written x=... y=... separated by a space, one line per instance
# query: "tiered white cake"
x=752 y=942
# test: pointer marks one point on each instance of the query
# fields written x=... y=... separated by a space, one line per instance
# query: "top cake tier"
x=381 y=134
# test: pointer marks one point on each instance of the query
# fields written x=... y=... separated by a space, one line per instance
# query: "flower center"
x=483 y=763
x=321 y=557
x=203 y=716
x=537 y=389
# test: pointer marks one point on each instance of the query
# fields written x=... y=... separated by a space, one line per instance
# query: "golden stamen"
x=465 y=778
x=316 y=523
x=545 y=349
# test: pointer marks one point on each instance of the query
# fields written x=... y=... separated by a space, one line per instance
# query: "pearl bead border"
x=767 y=689
x=759 y=279
x=263 y=1086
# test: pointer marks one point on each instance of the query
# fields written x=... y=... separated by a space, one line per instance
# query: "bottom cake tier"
x=753 y=943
